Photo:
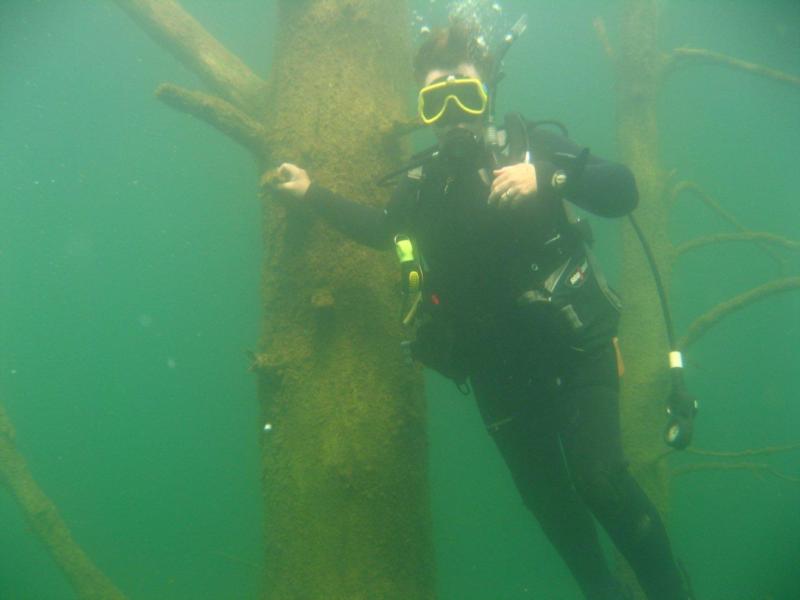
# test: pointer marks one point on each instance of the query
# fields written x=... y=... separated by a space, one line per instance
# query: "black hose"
x=682 y=406
x=662 y=294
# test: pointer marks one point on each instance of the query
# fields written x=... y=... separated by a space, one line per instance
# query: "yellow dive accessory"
x=411 y=278
x=468 y=94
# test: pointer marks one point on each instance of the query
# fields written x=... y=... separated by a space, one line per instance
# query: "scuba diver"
x=507 y=298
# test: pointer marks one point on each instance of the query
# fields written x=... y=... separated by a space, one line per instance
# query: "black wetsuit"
x=538 y=354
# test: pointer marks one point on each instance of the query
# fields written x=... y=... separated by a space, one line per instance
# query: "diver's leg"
x=592 y=445
x=528 y=442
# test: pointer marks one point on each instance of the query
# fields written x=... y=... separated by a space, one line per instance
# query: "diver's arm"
x=366 y=225
x=604 y=187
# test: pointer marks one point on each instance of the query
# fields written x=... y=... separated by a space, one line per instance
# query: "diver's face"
x=475 y=125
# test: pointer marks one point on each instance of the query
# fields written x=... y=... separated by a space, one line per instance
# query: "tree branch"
x=718 y=454
x=602 y=35
x=179 y=33
x=735 y=466
x=87 y=580
x=705 y=322
x=722 y=466
x=744 y=236
x=748 y=452
x=690 y=187
x=681 y=56
x=220 y=114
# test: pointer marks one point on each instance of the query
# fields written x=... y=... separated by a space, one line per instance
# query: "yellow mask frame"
x=432 y=94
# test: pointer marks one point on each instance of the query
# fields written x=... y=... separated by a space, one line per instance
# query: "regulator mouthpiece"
x=460 y=150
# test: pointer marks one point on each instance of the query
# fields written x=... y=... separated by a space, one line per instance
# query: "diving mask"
x=468 y=94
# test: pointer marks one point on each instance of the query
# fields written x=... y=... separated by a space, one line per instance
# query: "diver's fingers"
x=528 y=182
x=495 y=190
x=502 y=176
x=288 y=171
x=501 y=171
x=500 y=186
x=494 y=196
x=508 y=174
x=507 y=198
x=292 y=185
x=522 y=174
x=506 y=178
x=498 y=197
x=293 y=180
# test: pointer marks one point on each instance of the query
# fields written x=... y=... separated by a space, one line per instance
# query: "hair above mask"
x=448 y=48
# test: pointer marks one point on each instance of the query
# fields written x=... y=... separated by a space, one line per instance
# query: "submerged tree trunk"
x=645 y=385
x=344 y=444
x=642 y=332
x=345 y=454
x=641 y=70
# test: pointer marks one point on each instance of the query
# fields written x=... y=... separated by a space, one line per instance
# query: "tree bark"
x=639 y=74
x=344 y=441
x=639 y=71
x=345 y=452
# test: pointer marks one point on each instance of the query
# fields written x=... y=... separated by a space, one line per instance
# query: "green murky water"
x=129 y=293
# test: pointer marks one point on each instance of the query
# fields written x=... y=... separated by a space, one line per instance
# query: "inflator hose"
x=681 y=406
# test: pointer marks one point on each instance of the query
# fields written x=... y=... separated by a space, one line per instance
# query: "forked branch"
x=705 y=322
x=217 y=112
x=180 y=34
x=682 y=56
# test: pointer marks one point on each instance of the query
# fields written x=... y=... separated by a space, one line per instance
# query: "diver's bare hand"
x=512 y=185
x=289 y=179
